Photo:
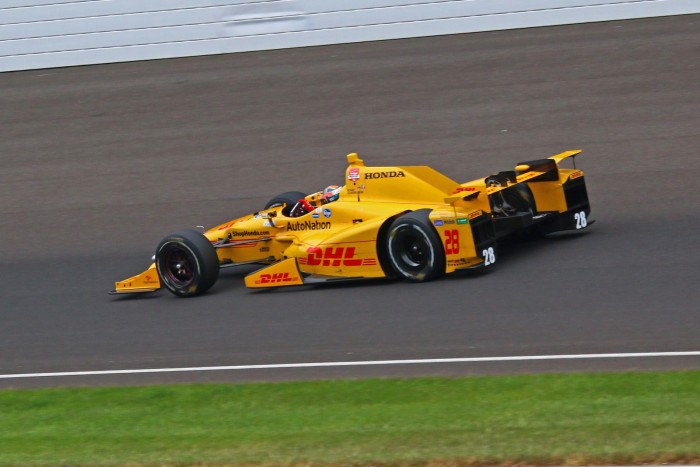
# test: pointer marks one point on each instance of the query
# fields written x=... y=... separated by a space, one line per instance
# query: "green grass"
x=541 y=419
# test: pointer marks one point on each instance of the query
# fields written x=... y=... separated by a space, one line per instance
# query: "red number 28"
x=451 y=242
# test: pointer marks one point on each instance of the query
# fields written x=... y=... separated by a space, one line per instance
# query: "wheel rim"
x=178 y=266
x=411 y=247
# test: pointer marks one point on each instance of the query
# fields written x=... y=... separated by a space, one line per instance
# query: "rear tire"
x=187 y=263
x=288 y=200
x=516 y=199
x=414 y=249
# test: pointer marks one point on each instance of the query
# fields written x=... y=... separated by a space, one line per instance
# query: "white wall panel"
x=46 y=33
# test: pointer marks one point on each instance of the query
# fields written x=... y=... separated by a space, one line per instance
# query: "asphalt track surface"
x=99 y=163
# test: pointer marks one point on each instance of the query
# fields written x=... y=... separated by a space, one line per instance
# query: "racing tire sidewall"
x=522 y=198
x=198 y=258
x=414 y=249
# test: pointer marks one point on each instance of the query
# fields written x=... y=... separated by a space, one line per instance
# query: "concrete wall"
x=56 y=33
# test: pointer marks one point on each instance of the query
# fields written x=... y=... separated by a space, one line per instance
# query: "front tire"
x=414 y=249
x=187 y=263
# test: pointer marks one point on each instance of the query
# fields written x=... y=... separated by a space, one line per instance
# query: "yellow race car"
x=410 y=223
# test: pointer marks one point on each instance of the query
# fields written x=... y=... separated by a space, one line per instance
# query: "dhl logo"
x=330 y=256
x=462 y=189
x=275 y=278
x=576 y=175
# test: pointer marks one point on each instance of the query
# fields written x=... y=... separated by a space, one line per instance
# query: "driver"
x=328 y=195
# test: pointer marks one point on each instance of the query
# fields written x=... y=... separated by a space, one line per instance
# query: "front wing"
x=147 y=281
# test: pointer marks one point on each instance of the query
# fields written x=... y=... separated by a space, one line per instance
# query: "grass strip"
x=570 y=419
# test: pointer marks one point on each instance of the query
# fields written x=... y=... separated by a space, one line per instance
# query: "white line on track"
x=358 y=363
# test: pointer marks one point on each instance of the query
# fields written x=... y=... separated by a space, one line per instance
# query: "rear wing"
x=543 y=170
x=538 y=170
x=560 y=157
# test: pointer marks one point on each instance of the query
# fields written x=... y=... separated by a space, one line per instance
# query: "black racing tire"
x=288 y=200
x=518 y=199
x=187 y=263
x=525 y=198
x=414 y=249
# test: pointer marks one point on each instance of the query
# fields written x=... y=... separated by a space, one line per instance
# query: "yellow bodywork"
x=147 y=281
x=284 y=273
x=342 y=239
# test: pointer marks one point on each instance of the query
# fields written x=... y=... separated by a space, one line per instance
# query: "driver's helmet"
x=330 y=193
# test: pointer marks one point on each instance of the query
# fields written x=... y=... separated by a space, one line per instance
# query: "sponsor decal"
x=353 y=174
x=462 y=220
x=308 y=225
x=275 y=278
x=226 y=226
x=439 y=223
x=315 y=215
x=149 y=280
x=576 y=175
x=327 y=213
x=388 y=174
x=264 y=249
x=456 y=262
x=449 y=221
x=330 y=256
x=527 y=176
x=248 y=233
x=463 y=189
x=233 y=223
x=473 y=215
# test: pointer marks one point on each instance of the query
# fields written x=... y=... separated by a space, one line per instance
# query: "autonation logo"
x=308 y=225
